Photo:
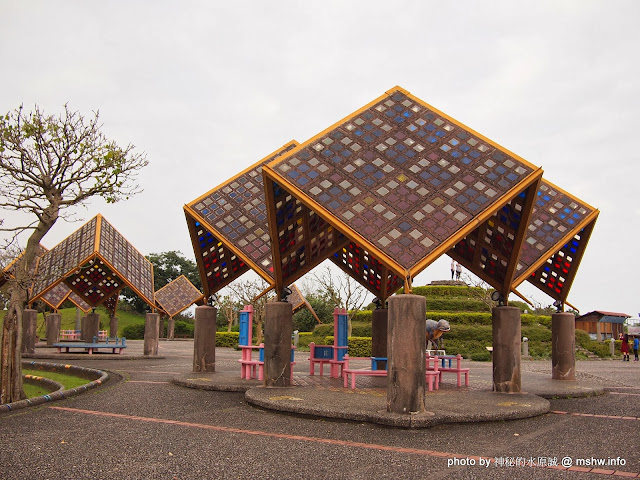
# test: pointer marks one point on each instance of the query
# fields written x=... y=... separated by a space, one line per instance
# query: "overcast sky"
x=207 y=88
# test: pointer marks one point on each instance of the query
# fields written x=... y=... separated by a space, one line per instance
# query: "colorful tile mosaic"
x=229 y=229
x=403 y=177
x=56 y=296
x=83 y=261
x=177 y=296
x=126 y=260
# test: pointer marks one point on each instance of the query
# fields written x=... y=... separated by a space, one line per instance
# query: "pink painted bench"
x=250 y=368
x=69 y=334
x=432 y=376
x=322 y=355
x=458 y=370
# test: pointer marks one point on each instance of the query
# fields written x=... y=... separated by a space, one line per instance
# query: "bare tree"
x=480 y=290
x=48 y=164
x=247 y=292
x=342 y=291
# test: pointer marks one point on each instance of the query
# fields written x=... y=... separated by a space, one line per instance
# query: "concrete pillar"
x=525 y=347
x=171 y=325
x=161 y=328
x=52 y=326
x=506 y=349
x=406 y=351
x=379 y=335
x=78 y=322
x=91 y=327
x=113 y=326
x=204 y=339
x=563 y=346
x=151 y=326
x=278 y=324
x=29 y=327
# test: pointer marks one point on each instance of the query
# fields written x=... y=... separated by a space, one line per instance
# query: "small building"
x=602 y=325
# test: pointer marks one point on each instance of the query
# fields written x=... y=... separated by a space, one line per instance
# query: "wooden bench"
x=432 y=375
x=447 y=367
x=114 y=344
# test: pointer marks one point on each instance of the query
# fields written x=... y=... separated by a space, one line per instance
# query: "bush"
x=134 y=331
x=227 y=339
x=481 y=356
x=183 y=329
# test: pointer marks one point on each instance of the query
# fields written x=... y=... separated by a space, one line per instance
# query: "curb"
x=59 y=394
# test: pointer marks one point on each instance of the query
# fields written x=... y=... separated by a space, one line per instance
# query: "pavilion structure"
x=175 y=297
x=95 y=263
x=383 y=193
x=229 y=230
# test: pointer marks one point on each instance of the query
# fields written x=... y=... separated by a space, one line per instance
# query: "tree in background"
x=167 y=266
x=304 y=321
x=341 y=290
x=246 y=292
x=47 y=165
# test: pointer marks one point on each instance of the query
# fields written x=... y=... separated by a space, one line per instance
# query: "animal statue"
x=435 y=331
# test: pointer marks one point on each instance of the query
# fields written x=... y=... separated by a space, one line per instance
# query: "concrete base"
x=506 y=349
x=204 y=339
x=563 y=346
x=90 y=327
x=29 y=327
x=379 y=324
x=151 y=331
x=406 y=364
x=278 y=325
x=52 y=325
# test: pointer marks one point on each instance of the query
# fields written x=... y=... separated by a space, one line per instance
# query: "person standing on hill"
x=453 y=268
x=636 y=344
x=458 y=271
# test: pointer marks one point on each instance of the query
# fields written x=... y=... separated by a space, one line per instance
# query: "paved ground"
x=141 y=425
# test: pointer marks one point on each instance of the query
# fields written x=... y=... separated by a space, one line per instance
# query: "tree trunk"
x=11 y=356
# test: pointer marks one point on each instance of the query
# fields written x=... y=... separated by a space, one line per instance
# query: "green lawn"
x=69 y=381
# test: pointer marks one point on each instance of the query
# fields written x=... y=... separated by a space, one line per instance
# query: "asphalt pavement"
x=155 y=418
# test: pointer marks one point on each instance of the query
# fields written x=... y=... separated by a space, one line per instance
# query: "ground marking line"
x=624 y=393
x=146 y=381
x=346 y=443
x=594 y=415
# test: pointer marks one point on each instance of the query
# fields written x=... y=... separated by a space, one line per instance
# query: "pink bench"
x=69 y=334
x=250 y=368
x=432 y=375
x=458 y=370
x=325 y=355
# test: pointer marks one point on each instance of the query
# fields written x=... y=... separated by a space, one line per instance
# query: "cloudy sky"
x=207 y=88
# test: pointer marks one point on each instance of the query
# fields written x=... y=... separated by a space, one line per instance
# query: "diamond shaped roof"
x=95 y=262
x=178 y=295
x=229 y=230
x=400 y=181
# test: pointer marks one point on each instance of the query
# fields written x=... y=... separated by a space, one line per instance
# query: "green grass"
x=68 y=321
x=69 y=381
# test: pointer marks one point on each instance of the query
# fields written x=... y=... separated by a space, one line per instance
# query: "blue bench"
x=114 y=344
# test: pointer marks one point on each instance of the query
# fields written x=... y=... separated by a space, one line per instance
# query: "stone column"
x=278 y=324
x=113 y=326
x=563 y=346
x=78 y=323
x=52 y=327
x=151 y=327
x=91 y=327
x=171 y=325
x=204 y=339
x=506 y=349
x=161 y=328
x=406 y=352
x=29 y=328
x=379 y=335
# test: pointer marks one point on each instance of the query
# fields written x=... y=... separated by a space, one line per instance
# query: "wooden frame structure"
x=390 y=188
x=95 y=262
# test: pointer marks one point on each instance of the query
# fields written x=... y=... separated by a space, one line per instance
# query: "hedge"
x=467 y=318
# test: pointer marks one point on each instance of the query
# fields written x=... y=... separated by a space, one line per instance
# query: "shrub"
x=481 y=356
x=183 y=329
x=134 y=331
x=227 y=339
